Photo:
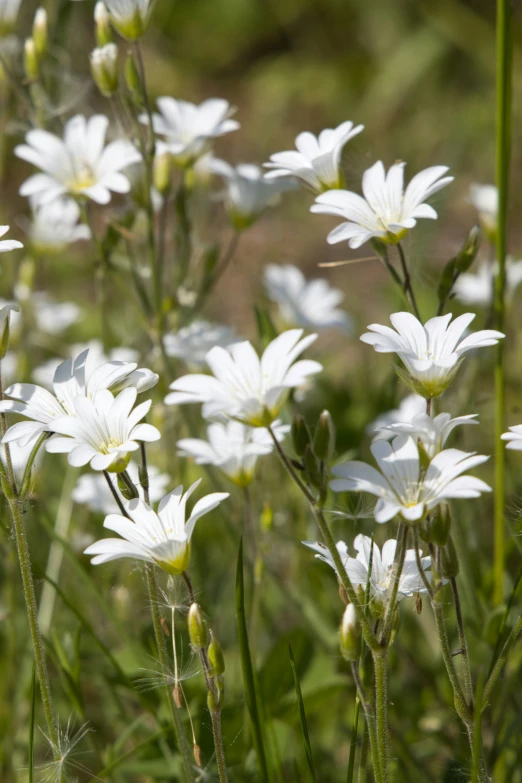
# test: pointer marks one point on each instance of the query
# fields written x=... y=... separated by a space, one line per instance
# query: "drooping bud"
x=162 y=171
x=104 y=69
x=440 y=525
x=446 y=281
x=40 y=32
x=324 y=437
x=350 y=635
x=215 y=656
x=449 y=560
x=103 y=24
x=5 y=313
x=469 y=250
x=31 y=68
x=300 y=435
x=313 y=473
x=197 y=628
x=424 y=457
x=127 y=488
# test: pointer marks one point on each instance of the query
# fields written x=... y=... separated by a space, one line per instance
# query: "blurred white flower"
x=53 y=317
x=409 y=407
x=102 y=431
x=130 y=17
x=73 y=378
x=8 y=13
x=432 y=353
x=476 y=288
x=161 y=538
x=248 y=193
x=315 y=161
x=189 y=129
x=485 y=200
x=193 y=342
x=54 y=226
x=514 y=437
x=91 y=488
x=232 y=447
x=432 y=432
x=80 y=164
x=44 y=374
x=311 y=304
x=245 y=387
x=20 y=457
x=8 y=244
x=382 y=570
x=387 y=211
x=400 y=484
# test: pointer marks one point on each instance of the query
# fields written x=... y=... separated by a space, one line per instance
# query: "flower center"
x=83 y=178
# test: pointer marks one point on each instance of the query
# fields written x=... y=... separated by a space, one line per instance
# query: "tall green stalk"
x=504 y=68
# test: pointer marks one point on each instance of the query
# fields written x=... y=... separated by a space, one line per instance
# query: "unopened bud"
x=132 y=77
x=324 y=437
x=440 y=525
x=300 y=435
x=466 y=256
x=40 y=32
x=424 y=457
x=350 y=635
x=31 y=68
x=312 y=471
x=102 y=21
x=127 y=488
x=5 y=313
x=214 y=701
x=215 y=655
x=162 y=170
x=449 y=560
x=104 y=69
x=197 y=628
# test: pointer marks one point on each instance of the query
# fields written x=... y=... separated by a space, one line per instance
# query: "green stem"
x=407 y=284
x=495 y=673
x=402 y=541
x=380 y=662
x=503 y=152
x=370 y=723
x=468 y=681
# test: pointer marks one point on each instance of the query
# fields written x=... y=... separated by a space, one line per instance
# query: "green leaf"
x=277 y=681
x=302 y=714
x=247 y=669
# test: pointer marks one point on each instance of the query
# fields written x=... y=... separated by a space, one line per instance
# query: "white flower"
x=102 y=431
x=233 y=447
x=401 y=486
x=55 y=226
x=130 y=17
x=409 y=407
x=8 y=244
x=20 y=457
x=189 y=129
x=73 y=378
x=80 y=164
x=162 y=538
x=432 y=432
x=381 y=577
x=53 y=317
x=91 y=488
x=514 y=436
x=44 y=374
x=245 y=387
x=477 y=288
x=485 y=200
x=193 y=342
x=386 y=212
x=315 y=161
x=248 y=193
x=8 y=13
x=431 y=353
x=311 y=304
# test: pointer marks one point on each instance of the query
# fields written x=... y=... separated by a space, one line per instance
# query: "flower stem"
x=468 y=681
x=402 y=540
x=407 y=285
x=503 y=152
x=380 y=662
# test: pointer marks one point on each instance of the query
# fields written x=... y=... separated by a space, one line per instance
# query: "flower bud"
x=446 y=281
x=215 y=656
x=40 y=32
x=440 y=525
x=300 y=435
x=128 y=491
x=197 y=628
x=31 y=67
x=312 y=471
x=350 y=635
x=104 y=69
x=132 y=77
x=102 y=21
x=130 y=18
x=120 y=464
x=324 y=437
x=162 y=169
x=214 y=700
x=396 y=623
x=449 y=560
x=466 y=256
x=5 y=313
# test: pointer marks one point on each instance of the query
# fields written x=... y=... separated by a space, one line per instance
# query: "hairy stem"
x=407 y=284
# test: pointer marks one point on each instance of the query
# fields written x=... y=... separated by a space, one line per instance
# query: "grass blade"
x=302 y=714
x=247 y=670
x=31 y=726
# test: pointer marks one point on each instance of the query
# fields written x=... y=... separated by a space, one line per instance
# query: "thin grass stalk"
x=503 y=152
